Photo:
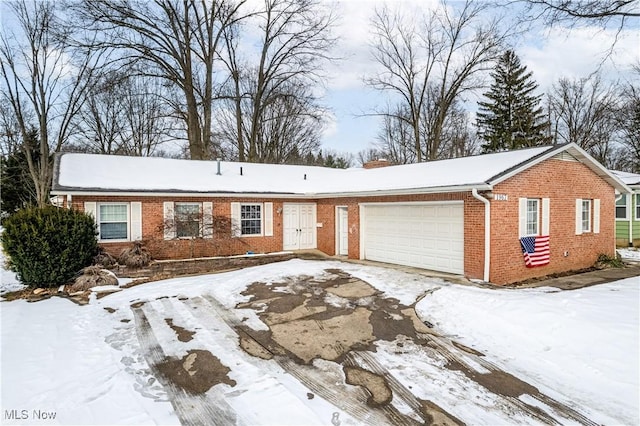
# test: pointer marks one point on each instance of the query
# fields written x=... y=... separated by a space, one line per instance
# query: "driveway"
x=342 y=341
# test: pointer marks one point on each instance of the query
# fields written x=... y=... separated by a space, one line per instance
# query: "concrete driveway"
x=339 y=337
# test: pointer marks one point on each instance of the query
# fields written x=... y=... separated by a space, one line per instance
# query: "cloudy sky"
x=549 y=53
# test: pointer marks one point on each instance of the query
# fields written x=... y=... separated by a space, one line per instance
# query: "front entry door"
x=342 y=236
x=299 y=226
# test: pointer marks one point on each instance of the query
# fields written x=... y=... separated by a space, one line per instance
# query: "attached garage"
x=426 y=235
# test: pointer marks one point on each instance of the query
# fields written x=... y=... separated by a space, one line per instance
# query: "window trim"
x=261 y=205
x=538 y=217
x=625 y=206
x=589 y=212
x=637 y=207
x=99 y=221
x=176 y=219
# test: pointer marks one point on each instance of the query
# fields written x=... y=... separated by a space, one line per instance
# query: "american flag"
x=535 y=250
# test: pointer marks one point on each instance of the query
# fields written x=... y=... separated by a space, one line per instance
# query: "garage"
x=426 y=235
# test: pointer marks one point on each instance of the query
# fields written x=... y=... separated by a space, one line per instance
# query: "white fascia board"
x=413 y=191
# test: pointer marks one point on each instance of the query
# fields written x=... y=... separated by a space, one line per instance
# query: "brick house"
x=468 y=216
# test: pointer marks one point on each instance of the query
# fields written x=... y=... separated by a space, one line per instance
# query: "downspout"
x=631 y=214
x=487 y=232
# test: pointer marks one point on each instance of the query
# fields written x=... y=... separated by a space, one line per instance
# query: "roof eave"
x=580 y=154
x=309 y=195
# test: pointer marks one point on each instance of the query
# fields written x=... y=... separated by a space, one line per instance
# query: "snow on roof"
x=628 y=178
x=111 y=173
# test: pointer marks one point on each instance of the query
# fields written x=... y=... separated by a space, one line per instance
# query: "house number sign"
x=501 y=197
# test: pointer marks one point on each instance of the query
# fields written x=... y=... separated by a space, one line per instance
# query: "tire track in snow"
x=206 y=409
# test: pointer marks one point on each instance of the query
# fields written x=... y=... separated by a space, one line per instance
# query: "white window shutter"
x=522 y=216
x=207 y=219
x=169 y=225
x=578 y=216
x=596 y=216
x=90 y=208
x=545 y=216
x=136 y=220
x=268 y=219
x=235 y=220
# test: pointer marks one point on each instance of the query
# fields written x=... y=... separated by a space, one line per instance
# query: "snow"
x=632 y=254
x=627 y=177
x=8 y=279
x=95 y=172
x=85 y=364
x=580 y=345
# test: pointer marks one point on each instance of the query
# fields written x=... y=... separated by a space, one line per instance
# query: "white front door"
x=299 y=226
x=342 y=236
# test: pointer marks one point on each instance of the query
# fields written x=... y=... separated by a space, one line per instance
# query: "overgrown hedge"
x=47 y=246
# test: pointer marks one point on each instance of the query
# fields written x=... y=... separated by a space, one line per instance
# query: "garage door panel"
x=428 y=236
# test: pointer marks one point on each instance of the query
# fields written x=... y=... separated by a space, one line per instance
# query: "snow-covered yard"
x=88 y=365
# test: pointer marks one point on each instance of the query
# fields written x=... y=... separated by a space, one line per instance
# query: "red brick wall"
x=562 y=182
x=153 y=230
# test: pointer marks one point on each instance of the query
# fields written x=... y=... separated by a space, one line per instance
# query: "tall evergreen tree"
x=511 y=117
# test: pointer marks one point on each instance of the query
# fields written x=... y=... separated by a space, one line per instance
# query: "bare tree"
x=628 y=121
x=100 y=119
x=45 y=82
x=395 y=141
x=430 y=63
x=583 y=112
x=593 y=11
x=177 y=41
x=272 y=98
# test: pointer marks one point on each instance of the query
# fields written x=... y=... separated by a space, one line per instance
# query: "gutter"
x=487 y=232
x=285 y=195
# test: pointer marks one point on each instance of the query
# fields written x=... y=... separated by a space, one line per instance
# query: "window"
x=113 y=221
x=187 y=220
x=637 y=206
x=533 y=217
x=586 y=215
x=251 y=219
x=621 y=208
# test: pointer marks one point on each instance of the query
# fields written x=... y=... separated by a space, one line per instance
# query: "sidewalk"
x=586 y=279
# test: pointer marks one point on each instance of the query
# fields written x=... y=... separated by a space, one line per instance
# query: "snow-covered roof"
x=93 y=173
x=627 y=177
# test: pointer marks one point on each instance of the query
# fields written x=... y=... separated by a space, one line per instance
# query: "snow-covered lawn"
x=632 y=254
x=84 y=363
x=583 y=345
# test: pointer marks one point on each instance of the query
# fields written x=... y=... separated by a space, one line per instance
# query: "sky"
x=549 y=53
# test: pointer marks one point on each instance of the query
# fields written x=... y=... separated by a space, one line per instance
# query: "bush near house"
x=47 y=246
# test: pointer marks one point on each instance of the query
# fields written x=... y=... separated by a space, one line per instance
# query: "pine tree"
x=511 y=117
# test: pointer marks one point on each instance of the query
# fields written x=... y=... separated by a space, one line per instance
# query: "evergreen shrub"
x=47 y=246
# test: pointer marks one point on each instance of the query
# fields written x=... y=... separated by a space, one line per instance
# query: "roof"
x=631 y=179
x=94 y=173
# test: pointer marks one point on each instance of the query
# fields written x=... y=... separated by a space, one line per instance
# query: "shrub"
x=93 y=276
x=47 y=246
x=606 y=261
x=104 y=259
x=136 y=256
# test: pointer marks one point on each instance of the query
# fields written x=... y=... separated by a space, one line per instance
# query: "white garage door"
x=429 y=235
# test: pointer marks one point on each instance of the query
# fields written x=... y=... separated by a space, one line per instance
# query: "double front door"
x=299 y=226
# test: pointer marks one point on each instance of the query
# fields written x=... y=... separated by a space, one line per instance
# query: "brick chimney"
x=374 y=164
